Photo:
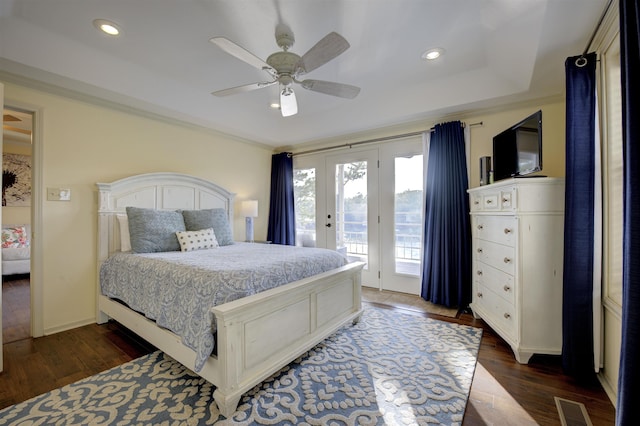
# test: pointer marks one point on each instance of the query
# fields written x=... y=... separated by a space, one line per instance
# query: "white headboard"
x=162 y=191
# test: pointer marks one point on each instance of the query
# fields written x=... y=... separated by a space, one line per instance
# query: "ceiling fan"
x=286 y=67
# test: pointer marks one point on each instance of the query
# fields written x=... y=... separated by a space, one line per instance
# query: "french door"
x=401 y=212
x=366 y=204
x=351 y=219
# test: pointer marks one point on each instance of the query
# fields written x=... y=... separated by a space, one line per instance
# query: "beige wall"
x=82 y=144
x=553 y=136
x=493 y=122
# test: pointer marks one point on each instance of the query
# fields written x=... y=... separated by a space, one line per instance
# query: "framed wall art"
x=16 y=180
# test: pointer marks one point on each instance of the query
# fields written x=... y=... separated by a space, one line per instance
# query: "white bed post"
x=103 y=243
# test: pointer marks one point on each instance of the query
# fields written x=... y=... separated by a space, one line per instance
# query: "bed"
x=16 y=250
x=254 y=336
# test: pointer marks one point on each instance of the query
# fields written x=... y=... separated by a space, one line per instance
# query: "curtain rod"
x=581 y=61
x=382 y=139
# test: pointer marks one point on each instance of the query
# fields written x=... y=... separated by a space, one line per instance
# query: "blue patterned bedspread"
x=177 y=289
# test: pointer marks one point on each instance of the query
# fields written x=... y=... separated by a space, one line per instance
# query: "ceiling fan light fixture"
x=433 y=54
x=107 y=27
x=285 y=67
x=288 y=103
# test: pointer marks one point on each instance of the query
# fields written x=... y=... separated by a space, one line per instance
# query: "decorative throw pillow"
x=217 y=219
x=153 y=231
x=197 y=240
x=15 y=237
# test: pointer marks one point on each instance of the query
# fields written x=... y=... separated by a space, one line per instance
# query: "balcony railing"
x=407 y=247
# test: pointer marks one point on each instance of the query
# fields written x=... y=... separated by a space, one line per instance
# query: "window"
x=613 y=174
x=304 y=190
x=408 y=214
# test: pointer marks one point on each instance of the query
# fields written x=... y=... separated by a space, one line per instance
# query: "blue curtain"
x=629 y=376
x=446 y=273
x=282 y=224
x=577 y=296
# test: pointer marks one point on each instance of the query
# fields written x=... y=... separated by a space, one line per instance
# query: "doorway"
x=366 y=204
x=17 y=154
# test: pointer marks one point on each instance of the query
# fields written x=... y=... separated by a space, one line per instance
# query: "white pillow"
x=197 y=240
x=125 y=239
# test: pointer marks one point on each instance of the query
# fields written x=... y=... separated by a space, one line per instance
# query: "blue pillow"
x=195 y=220
x=153 y=231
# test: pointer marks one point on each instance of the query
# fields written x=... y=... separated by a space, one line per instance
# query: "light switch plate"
x=58 y=194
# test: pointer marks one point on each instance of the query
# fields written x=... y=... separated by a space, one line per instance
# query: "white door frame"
x=381 y=209
x=36 y=280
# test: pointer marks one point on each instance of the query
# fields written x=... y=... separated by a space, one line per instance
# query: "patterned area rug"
x=389 y=369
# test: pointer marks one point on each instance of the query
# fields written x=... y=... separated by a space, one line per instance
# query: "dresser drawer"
x=497 y=255
x=497 y=281
x=499 y=229
x=502 y=312
x=497 y=200
x=507 y=200
x=475 y=202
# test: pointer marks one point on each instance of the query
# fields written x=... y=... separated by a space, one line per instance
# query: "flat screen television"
x=518 y=150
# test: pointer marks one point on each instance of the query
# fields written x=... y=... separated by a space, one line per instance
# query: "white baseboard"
x=610 y=390
x=69 y=326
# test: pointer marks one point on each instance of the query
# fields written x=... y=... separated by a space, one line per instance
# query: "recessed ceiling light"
x=274 y=105
x=107 y=27
x=432 y=54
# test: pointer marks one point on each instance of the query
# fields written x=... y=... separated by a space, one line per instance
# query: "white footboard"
x=259 y=334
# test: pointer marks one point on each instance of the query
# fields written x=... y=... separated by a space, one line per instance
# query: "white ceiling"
x=16 y=126
x=497 y=51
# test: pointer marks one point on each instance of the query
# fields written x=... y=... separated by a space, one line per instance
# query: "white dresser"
x=517 y=229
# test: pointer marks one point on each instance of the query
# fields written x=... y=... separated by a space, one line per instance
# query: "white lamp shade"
x=249 y=208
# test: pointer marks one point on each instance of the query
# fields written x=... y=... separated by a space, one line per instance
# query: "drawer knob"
x=506 y=288
x=489 y=201
x=507 y=260
x=480 y=227
x=505 y=200
x=479 y=250
x=507 y=230
x=506 y=315
x=479 y=294
x=478 y=272
x=476 y=202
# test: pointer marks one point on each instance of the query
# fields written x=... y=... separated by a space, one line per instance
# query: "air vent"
x=572 y=413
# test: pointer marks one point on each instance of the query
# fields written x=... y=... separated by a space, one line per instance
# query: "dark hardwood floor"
x=503 y=392
x=16 y=308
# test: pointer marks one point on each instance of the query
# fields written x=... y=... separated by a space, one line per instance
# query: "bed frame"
x=256 y=335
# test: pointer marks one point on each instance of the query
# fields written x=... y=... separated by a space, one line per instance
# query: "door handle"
x=328 y=225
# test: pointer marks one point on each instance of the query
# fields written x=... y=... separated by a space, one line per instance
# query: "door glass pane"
x=304 y=192
x=408 y=214
x=351 y=210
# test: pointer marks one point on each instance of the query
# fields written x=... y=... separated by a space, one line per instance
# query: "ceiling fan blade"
x=241 y=53
x=242 y=89
x=325 y=50
x=288 y=103
x=330 y=88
